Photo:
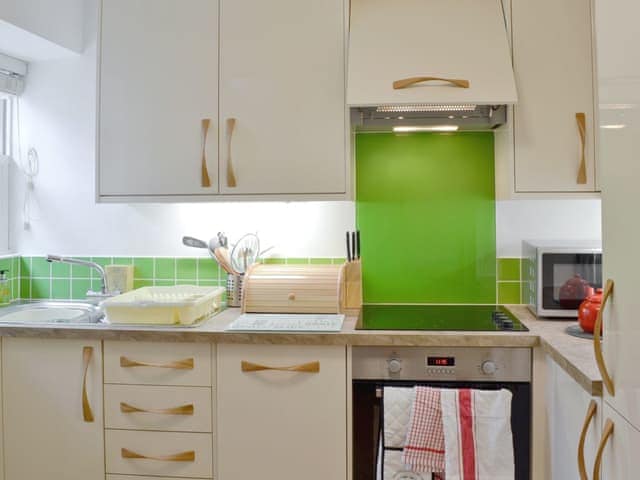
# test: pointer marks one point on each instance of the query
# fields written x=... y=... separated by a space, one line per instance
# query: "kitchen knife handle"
x=231 y=175
x=597 y=347
x=607 y=432
x=311 y=367
x=348 y=248
x=591 y=412
x=206 y=181
x=357 y=243
x=407 y=82
x=581 y=120
x=87 y=413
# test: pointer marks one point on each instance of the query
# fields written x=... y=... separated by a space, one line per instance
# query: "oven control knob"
x=489 y=367
x=394 y=365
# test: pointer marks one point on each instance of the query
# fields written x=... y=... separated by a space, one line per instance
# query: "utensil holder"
x=234 y=290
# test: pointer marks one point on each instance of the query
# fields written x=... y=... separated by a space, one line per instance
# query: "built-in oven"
x=482 y=368
x=558 y=276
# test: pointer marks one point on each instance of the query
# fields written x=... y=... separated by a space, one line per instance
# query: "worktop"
x=574 y=355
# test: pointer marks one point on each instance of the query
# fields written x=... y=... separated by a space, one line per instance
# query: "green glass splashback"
x=425 y=206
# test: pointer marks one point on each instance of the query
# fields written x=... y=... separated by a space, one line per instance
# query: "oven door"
x=368 y=421
x=566 y=280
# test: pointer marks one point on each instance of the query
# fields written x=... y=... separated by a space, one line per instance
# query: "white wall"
x=58 y=118
x=59 y=21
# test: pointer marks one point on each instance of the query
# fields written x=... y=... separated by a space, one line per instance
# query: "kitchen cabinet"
x=570 y=412
x=52 y=409
x=619 y=96
x=283 y=407
x=619 y=458
x=158 y=82
x=275 y=98
x=554 y=124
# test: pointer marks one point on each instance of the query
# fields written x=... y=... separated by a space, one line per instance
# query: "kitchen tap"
x=101 y=271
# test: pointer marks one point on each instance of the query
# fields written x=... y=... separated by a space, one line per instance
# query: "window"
x=6 y=152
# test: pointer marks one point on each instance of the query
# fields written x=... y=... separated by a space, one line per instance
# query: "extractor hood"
x=430 y=65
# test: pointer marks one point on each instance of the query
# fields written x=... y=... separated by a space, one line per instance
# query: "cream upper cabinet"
x=553 y=122
x=52 y=395
x=274 y=423
x=574 y=425
x=282 y=97
x=619 y=97
x=158 y=82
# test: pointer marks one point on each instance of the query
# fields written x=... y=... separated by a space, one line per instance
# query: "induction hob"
x=476 y=318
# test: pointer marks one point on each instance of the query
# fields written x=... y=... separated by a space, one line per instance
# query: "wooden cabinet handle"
x=189 y=456
x=608 y=431
x=87 y=413
x=591 y=412
x=311 y=367
x=231 y=175
x=186 y=364
x=206 y=181
x=407 y=82
x=581 y=120
x=181 y=410
x=597 y=347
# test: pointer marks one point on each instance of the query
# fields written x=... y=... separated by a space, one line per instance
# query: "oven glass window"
x=567 y=279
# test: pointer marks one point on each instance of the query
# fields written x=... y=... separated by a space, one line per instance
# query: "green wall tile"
x=143 y=267
x=6 y=264
x=25 y=266
x=40 y=268
x=208 y=283
x=25 y=288
x=509 y=292
x=40 y=288
x=207 y=269
x=79 y=288
x=509 y=269
x=81 y=271
x=61 y=289
x=164 y=283
x=297 y=261
x=274 y=260
x=338 y=261
x=320 y=261
x=165 y=268
x=425 y=206
x=60 y=270
x=123 y=260
x=186 y=268
x=142 y=283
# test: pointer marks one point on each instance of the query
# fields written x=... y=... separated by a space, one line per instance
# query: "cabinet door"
x=553 y=64
x=158 y=81
x=289 y=424
x=568 y=406
x=282 y=80
x=47 y=429
x=619 y=94
x=620 y=459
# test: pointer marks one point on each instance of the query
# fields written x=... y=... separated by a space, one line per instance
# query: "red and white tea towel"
x=424 y=449
x=477 y=434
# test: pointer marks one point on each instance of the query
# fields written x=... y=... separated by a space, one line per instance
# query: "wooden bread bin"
x=275 y=288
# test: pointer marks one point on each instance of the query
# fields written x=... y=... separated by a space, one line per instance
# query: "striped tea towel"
x=424 y=449
x=477 y=434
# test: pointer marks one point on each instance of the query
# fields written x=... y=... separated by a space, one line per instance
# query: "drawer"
x=149 y=363
x=169 y=454
x=145 y=407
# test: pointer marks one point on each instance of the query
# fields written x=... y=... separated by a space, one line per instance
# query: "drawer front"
x=149 y=363
x=138 y=477
x=176 y=454
x=143 y=407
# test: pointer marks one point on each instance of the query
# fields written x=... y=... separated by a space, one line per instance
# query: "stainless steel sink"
x=51 y=312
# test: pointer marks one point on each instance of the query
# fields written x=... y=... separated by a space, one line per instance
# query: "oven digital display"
x=441 y=361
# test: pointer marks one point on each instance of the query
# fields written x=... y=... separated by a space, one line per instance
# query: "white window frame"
x=6 y=152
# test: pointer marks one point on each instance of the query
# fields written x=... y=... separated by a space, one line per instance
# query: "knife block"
x=297 y=288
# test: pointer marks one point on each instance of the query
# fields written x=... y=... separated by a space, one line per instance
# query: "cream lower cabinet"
x=620 y=458
x=52 y=408
x=574 y=419
x=282 y=412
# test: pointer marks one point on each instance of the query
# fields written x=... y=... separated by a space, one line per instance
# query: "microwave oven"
x=558 y=276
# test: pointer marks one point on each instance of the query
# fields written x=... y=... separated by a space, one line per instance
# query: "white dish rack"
x=176 y=305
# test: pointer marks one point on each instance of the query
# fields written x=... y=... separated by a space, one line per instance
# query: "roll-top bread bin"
x=277 y=288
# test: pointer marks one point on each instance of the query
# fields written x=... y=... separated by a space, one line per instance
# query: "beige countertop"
x=573 y=354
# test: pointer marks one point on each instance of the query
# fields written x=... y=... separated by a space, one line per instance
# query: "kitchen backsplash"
x=35 y=278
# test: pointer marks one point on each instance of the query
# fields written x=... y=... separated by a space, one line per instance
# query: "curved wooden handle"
x=186 y=364
x=591 y=412
x=181 y=410
x=581 y=120
x=407 y=82
x=189 y=456
x=608 y=431
x=206 y=181
x=231 y=176
x=311 y=367
x=87 y=413
x=597 y=347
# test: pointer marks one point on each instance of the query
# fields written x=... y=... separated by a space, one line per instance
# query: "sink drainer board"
x=51 y=312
